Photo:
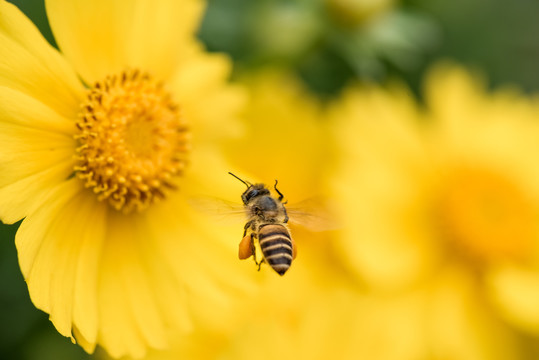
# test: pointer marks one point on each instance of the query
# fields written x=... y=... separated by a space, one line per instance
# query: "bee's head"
x=254 y=191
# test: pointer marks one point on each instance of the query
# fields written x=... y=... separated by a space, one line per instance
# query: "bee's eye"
x=252 y=194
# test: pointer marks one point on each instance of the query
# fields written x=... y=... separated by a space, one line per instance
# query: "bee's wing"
x=314 y=214
x=219 y=209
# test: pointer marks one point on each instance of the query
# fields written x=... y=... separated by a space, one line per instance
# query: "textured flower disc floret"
x=133 y=141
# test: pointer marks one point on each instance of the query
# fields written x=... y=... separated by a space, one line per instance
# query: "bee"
x=266 y=223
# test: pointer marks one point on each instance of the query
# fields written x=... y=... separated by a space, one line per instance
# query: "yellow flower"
x=102 y=143
x=446 y=200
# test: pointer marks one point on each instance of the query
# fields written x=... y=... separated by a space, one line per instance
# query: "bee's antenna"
x=243 y=181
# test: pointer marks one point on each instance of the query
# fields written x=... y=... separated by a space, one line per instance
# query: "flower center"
x=487 y=215
x=133 y=141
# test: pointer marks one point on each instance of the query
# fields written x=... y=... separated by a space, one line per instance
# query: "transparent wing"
x=218 y=209
x=314 y=214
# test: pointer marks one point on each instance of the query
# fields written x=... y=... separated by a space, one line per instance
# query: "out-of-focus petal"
x=384 y=175
x=460 y=323
x=515 y=293
x=104 y=37
x=32 y=66
x=286 y=136
x=196 y=82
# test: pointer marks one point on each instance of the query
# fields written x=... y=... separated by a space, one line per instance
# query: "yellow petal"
x=207 y=124
x=64 y=260
x=186 y=245
x=199 y=81
x=279 y=107
x=119 y=333
x=160 y=270
x=21 y=196
x=452 y=94
x=198 y=74
x=131 y=291
x=396 y=320
x=36 y=152
x=383 y=178
x=515 y=292
x=48 y=248
x=90 y=220
x=88 y=346
x=462 y=326
x=22 y=109
x=29 y=64
x=25 y=151
x=104 y=37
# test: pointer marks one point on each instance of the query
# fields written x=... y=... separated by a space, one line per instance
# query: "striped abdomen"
x=276 y=245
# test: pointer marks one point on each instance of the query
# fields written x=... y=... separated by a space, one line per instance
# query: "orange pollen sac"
x=133 y=141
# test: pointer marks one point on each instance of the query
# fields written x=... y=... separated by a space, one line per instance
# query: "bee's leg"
x=281 y=196
x=285 y=215
x=260 y=263
x=247 y=226
x=253 y=248
x=246 y=247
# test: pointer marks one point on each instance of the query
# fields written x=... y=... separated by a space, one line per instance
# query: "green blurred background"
x=328 y=43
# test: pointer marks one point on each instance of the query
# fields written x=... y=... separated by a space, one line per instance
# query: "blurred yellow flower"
x=286 y=135
x=298 y=320
x=101 y=146
x=445 y=199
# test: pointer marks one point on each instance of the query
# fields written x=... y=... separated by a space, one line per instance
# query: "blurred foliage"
x=326 y=42
x=406 y=37
x=496 y=36
x=493 y=35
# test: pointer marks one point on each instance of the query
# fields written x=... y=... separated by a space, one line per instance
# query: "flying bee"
x=266 y=223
